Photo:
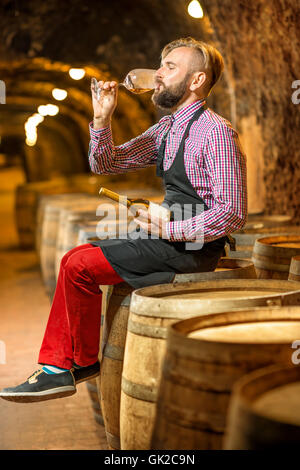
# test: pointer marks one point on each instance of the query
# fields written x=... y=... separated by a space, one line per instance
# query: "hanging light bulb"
x=195 y=9
x=31 y=133
x=31 y=128
x=77 y=74
x=52 y=109
x=30 y=142
x=59 y=94
x=35 y=119
x=42 y=110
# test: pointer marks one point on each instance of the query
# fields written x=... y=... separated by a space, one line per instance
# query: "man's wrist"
x=99 y=123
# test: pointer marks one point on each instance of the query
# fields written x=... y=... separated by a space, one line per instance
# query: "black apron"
x=149 y=261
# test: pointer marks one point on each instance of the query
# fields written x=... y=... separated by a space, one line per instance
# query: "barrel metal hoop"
x=96 y=406
x=125 y=301
x=147 y=330
x=139 y=391
x=294 y=277
x=200 y=420
x=91 y=387
x=113 y=352
x=113 y=441
x=272 y=249
x=99 y=419
x=164 y=315
x=269 y=266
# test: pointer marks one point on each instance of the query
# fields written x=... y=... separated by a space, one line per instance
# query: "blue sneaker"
x=41 y=387
x=81 y=374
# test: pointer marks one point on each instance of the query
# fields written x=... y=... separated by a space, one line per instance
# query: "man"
x=197 y=153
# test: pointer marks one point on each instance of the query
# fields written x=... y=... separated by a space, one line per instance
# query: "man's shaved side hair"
x=207 y=59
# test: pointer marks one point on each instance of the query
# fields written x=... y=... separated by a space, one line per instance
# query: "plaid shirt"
x=214 y=162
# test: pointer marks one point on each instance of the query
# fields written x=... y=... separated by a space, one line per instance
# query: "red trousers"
x=73 y=329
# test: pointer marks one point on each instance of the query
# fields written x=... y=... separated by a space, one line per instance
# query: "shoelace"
x=35 y=374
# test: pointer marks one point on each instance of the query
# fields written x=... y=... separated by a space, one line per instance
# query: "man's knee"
x=71 y=252
x=78 y=267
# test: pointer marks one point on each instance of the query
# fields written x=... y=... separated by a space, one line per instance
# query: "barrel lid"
x=271 y=393
x=284 y=245
x=227 y=268
x=198 y=298
x=264 y=325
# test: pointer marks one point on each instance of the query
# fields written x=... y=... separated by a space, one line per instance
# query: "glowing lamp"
x=59 y=94
x=77 y=74
x=195 y=9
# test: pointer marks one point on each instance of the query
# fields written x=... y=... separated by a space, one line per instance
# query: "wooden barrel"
x=45 y=200
x=49 y=237
x=91 y=386
x=117 y=318
x=152 y=310
x=79 y=182
x=265 y=221
x=89 y=183
x=67 y=233
x=29 y=194
x=264 y=410
x=205 y=356
x=93 y=389
x=88 y=233
x=227 y=268
x=272 y=255
x=113 y=342
x=71 y=221
x=245 y=238
x=26 y=205
x=294 y=272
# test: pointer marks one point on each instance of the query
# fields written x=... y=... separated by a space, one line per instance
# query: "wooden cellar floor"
x=67 y=423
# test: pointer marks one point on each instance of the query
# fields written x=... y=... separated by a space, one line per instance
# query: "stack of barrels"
x=208 y=361
x=179 y=378
x=29 y=196
x=258 y=227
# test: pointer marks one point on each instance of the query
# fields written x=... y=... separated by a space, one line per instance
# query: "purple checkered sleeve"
x=106 y=158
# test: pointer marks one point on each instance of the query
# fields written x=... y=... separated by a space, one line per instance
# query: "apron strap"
x=231 y=242
x=162 y=148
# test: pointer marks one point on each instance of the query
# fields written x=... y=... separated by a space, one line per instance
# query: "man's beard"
x=170 y=96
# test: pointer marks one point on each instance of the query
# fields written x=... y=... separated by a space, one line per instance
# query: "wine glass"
x=136 y=81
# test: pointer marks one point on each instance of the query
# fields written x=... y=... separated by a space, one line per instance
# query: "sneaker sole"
x=87 y=378
x=38 y=396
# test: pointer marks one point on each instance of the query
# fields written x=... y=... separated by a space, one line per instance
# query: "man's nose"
x=158 y=73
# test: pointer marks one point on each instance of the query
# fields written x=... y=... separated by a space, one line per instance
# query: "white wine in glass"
x=136 y=81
